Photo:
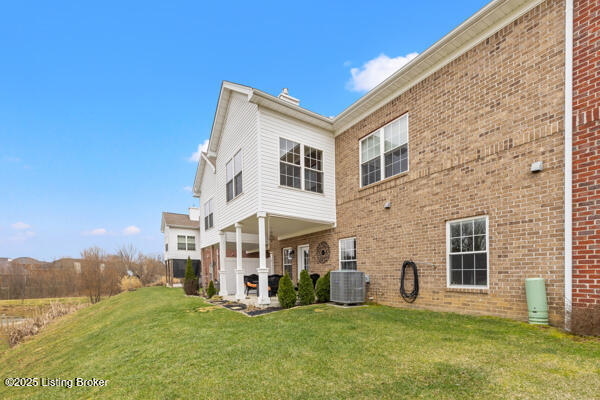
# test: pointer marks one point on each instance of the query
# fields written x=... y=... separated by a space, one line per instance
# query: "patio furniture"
x=273 y=281
x=314 y=278
x=251 y=283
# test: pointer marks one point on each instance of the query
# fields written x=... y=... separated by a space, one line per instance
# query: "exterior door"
x=303 y=259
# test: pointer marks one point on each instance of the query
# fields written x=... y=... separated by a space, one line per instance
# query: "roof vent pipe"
x=284 y=95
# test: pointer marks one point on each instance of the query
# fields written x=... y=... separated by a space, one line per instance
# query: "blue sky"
x=103 y=104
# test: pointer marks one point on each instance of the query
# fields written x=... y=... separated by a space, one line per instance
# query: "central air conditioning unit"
x=347 y=287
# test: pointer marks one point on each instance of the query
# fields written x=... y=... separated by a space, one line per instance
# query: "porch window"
x=181 y=244
x=467 y=252
x=191 y=243
x=313 y=169
x=233 y=171
x=348 y=253
x=287 y=261
x=208 y=215
x=385 y=150
x=289 y=163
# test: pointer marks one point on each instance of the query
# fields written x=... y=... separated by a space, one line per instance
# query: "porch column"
x=263 y=272
x=222 y=272
x=239 y=272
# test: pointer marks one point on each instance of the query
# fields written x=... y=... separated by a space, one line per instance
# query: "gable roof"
x=178 y=221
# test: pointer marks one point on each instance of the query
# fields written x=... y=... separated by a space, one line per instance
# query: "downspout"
x=568 y=162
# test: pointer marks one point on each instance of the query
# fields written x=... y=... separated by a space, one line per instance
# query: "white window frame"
x=302 y=167
x=184 y=242
x=209 y=203
x=487 y=252
x=340 y=253
x=283 y=263
x=382 y=151
x=187 y=243
x=234 y=174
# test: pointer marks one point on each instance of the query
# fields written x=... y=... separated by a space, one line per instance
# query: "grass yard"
x=153 y=343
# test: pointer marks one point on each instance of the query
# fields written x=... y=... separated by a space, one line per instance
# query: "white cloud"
x=131 y=230
x=96 y=232
x=375 y=71
x=20 y=226
x=187 y=188
x=196 y=156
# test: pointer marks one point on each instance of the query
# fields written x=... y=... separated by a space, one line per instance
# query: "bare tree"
x=92 y=268
x=128 y=255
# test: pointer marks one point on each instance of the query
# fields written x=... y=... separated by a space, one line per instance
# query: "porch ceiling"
x=284 y=227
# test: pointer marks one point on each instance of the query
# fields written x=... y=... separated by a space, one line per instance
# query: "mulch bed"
x=243 y=308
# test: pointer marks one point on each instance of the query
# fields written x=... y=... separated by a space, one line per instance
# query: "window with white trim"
x=384 y=153
x=467 y=252
x=348 y=253
x=186 y=242
x=287 y=261
x=313 y=169
x=289 y=163
x=233 y=171
x=208 y=214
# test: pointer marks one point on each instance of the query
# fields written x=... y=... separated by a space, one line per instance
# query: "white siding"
x=171 y=238
x=208 y=191
x=287 y=201
x=239 y=132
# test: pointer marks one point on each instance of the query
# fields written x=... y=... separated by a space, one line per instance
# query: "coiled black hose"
x=412 y=296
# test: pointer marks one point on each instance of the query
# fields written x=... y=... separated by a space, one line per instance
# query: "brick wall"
x=586 y=152
x=475 y=127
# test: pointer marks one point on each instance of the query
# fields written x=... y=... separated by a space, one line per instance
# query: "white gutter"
x=568 y=161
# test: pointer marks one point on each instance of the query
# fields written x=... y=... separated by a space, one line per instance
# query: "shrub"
x=286 y=293
x=306 y=292
x=211 y=291
x=585 y=320
x=130 y=283
x=323 y=286
x=190 y=282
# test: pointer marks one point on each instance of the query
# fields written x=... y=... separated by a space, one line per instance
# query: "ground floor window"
x=348 y=253
x=467 y=252
x=287 y=261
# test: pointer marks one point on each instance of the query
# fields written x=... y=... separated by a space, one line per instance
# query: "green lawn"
x=153 y=344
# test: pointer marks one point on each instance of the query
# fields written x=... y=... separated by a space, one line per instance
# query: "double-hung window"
x=233 y=171
x=294 y=173
x=181 y=244
x=467 y=252
x=287 y=261
x=348 y=253
x=186 y=242
x=384 y=153
x=313 y=169
x=208 y=214
x=289 y=163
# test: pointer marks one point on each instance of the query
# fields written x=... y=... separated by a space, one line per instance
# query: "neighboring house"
x=182 y=240
x=465 y=161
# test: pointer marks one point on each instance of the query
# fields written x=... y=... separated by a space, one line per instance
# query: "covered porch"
x=262 y=228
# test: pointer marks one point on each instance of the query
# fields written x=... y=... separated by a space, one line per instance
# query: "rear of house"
x=460 y=162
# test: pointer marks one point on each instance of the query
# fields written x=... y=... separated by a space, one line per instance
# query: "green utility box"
x=536 y=301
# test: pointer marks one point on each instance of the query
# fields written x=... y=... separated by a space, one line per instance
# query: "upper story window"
x=313 y=169
x=208 y=214
x=291 y=166
x=467 y=252
x=234 y=176
x=289 y=163
x=186 y=242
x=348 y=253
x=384 y=153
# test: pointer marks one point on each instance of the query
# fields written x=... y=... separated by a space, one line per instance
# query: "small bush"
x=286 y=293
x=585 y=320
x=323 y=285
x=306 y=292
x=130 y=283
x=190 y=282
x=211 y=291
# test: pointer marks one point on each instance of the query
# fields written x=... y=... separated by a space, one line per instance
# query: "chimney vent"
x=284 y=95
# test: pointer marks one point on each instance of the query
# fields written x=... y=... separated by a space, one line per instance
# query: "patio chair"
x=273 y=284
x=251 y=283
